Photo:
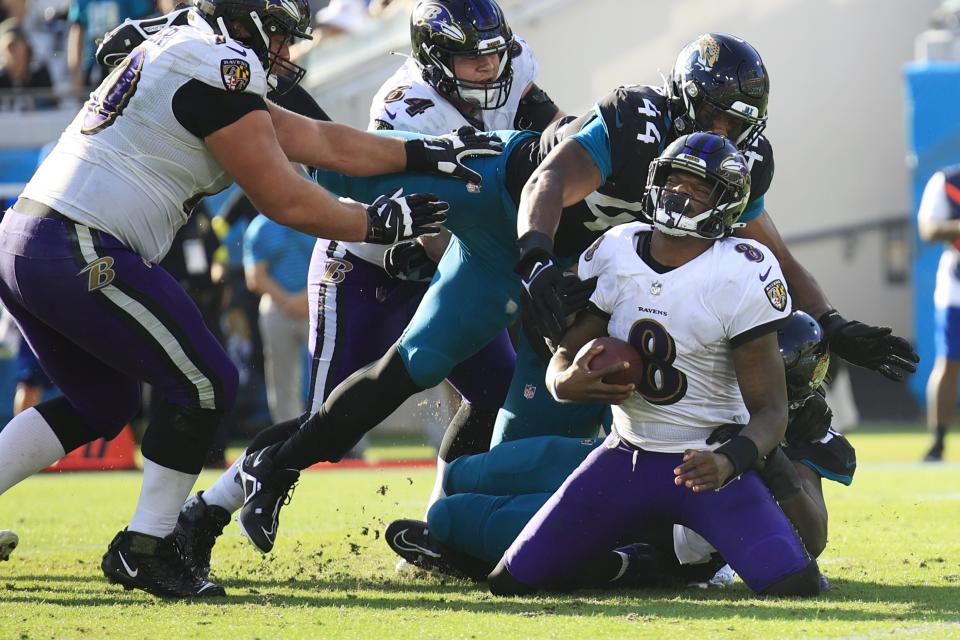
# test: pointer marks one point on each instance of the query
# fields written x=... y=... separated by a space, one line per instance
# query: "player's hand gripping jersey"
x=133 y=162
x=689 y=384
x=624 y=132
x=406 y=102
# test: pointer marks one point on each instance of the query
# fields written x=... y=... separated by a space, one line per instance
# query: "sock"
x=438 y=492
x=226 y=492
x=162 y=495
x=27 y=445
x=939 y=434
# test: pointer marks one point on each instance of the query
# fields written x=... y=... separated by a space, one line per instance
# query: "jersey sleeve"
x=224 y=64
x=595 y=261
x=934 y=206
x=595 y=139
x=754 y=299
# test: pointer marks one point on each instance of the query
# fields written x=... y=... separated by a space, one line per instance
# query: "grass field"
x=893 y=559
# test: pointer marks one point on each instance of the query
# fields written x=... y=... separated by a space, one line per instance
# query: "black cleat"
x=198 y=527
x=8 y=542
x=935 y=454
x=155 y=565
x=411 y=540
x=265 y=491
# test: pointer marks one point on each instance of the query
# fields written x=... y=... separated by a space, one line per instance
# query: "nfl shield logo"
x=529 y=391
x=235 y=74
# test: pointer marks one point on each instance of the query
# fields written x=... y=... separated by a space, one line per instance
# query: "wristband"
x=416 y=156
x=742 y=452
x=551 y=382
x=534 y=245
x=830 y=322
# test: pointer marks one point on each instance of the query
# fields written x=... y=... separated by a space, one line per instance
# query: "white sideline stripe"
x=153 y=325
x=326 y=343
x=909 y=631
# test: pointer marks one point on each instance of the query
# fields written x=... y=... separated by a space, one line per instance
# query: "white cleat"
x=8 y=542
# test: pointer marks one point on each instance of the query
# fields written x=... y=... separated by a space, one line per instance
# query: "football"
x=615 y=350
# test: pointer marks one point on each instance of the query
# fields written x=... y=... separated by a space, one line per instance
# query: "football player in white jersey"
x=702 y=309
x=468 y=69
x=181 y=117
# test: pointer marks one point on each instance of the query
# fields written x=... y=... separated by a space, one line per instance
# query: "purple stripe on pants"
x=617 y=492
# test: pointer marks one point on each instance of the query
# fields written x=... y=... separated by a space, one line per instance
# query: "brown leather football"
x=615 y=350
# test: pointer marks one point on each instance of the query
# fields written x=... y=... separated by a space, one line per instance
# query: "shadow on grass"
x=923 y=603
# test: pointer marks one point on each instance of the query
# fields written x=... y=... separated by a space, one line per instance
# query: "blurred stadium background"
x=857 y=126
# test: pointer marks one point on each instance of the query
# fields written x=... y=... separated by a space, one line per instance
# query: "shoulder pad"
x=637 y=120
x=117 y=44
x=524 y=63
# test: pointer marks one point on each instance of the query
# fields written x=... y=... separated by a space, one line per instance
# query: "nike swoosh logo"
x=130 y=572
x=256 y=461
x=400 y=541
x=206 y=585
x=242 y=52
x=763 y=278
x=392 y=116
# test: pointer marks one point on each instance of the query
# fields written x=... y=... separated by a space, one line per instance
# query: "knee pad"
x=178 y=437
x=75 y=428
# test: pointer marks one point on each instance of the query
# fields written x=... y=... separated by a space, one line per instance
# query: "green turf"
x=893 y=558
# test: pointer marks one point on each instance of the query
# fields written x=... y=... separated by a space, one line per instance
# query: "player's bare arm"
x=760 y=374
x=340 y=148
x=874 y=348
x=570 y=378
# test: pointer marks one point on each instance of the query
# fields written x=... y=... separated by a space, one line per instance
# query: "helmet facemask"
x=708 y=217
x=288 y=18
x=485 y=95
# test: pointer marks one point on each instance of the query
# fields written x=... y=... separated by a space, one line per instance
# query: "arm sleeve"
x=756 y=301
x=536 y=110
x=202 y=109
x=934 y=205
x=595 y=139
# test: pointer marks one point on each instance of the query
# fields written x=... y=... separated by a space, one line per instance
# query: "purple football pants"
x=619 y=491
x=101 y=320
x=358 y=312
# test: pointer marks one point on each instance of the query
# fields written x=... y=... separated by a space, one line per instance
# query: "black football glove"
x=870 y=347
x=445 y=154
x=809 y=422
x=398 y=217
x=542 y=279
x=408 y=260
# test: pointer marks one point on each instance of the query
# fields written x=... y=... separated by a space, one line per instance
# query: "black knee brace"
x=804 y=583
x=178 y=437
x=503 y=584
x=68 y=425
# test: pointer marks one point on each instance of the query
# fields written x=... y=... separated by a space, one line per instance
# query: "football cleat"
x=8 y=542
x=198 y=527
x=155 y=565
x=935 y=454
x=411 y=540
x=265 y=490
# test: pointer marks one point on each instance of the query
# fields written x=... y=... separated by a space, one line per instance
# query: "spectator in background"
x=276 y=260
x=90 y=20
x=32 y=382
x=18 y=72
x=939 y=221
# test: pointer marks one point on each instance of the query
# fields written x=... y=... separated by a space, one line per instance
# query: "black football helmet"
x=727 y=74
x=258 y=21
x=442 y=29
x=708 y=156
x=805 y=356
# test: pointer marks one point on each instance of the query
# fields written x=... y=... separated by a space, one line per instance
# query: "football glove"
x=870 y=347
x=445 y=154
x=408 y=260
x=809 y=422
x=397 y=217
x=541 y=278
